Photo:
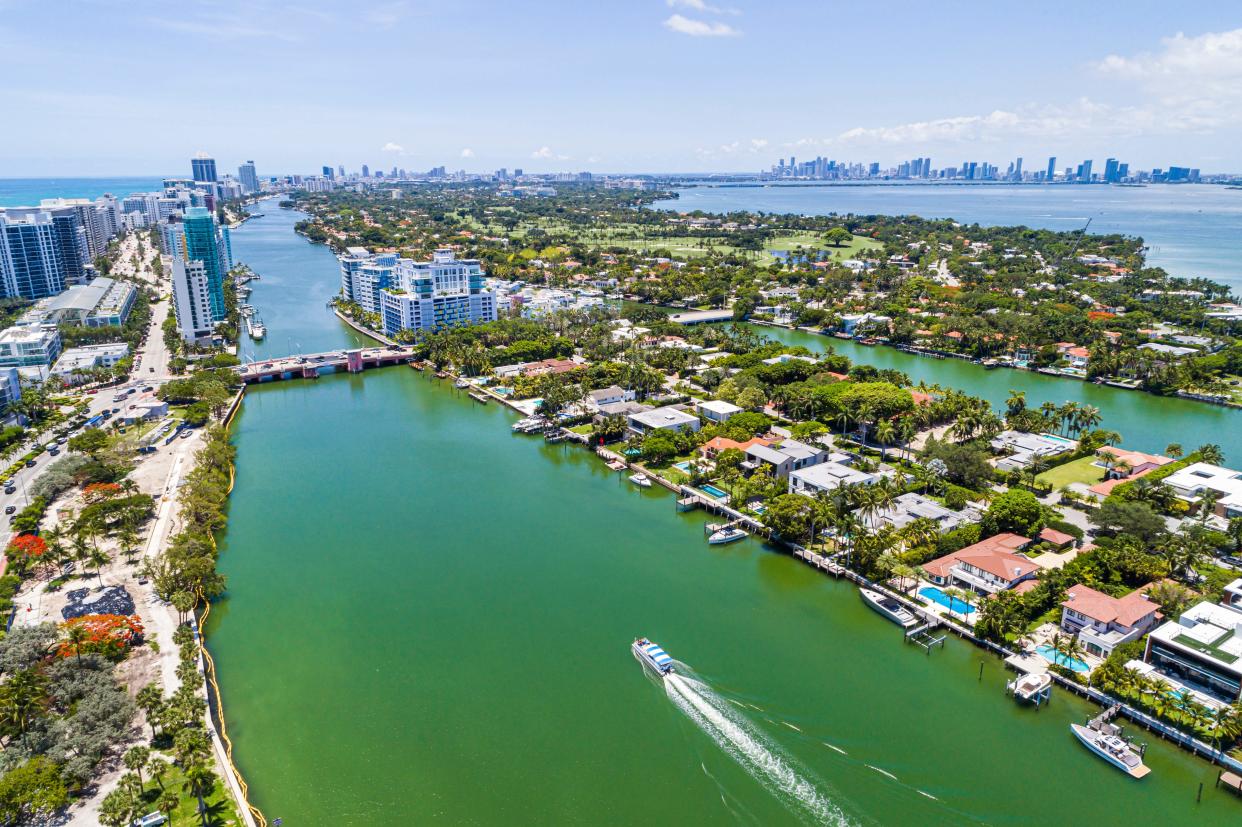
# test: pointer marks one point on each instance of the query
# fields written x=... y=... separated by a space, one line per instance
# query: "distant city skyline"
x=657 y=86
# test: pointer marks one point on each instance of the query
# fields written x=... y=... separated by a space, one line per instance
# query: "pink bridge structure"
x=313 y=365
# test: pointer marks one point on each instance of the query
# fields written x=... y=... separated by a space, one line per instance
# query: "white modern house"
x=827 y=476
x=1202 y=649
x=1021 y=448
x=1190 y=484
x=788 y=456
x=717 y=410
x=662 y=419
x=608 y=396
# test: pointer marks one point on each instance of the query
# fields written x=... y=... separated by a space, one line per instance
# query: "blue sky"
x=99 y=87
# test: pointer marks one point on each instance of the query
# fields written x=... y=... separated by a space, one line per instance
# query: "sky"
x=117 y=87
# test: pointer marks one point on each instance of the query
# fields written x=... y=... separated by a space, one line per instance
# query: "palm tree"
x=885 y=434
x=199 y=782
x=1015 y=404
x=1211 y=454
x=136 y=759
x=77 y=635
x=1088 y=418
x=906 y=429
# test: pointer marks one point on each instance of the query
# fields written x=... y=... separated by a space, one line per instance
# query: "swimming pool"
x=934 y=594
x=1055 y=438
x=715 y=492
x=683 y=466
x=1053 y=656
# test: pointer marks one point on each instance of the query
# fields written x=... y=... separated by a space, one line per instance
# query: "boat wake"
x=732 y=733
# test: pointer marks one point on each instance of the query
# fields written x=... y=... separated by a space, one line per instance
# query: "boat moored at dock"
x=640 y=480
x=721 y=534
x=652 y=656
x=890 y=607
x=1031 y=688
x=1106 y=741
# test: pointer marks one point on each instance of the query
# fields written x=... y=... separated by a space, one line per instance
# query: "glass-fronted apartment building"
x=31 y=262
x=432 y=295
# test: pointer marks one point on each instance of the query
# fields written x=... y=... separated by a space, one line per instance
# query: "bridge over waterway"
x=312 y=365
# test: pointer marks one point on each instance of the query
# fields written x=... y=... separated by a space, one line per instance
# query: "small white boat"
x=725 y=534
x=889 y=607
x=652 y=656
x=461 y=384
x=1032 y=687
x=1107 y=743
x=640 y=480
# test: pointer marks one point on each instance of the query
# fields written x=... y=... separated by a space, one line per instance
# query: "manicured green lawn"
x=585 y=428
x=1082 y=470
x=804 y=239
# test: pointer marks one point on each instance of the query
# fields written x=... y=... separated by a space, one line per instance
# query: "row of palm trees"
x=1221 y=725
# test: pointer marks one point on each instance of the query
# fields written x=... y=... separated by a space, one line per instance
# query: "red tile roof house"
x=1137 y=463
x=989 y=566
x=1102 y=623
x=1057 y=539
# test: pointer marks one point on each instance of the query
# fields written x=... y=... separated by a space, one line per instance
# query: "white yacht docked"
x=889 y=607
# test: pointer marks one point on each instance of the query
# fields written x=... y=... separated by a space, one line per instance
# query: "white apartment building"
x=77 y=360
x=430 y=295
x=29 y=346
x=192 y=300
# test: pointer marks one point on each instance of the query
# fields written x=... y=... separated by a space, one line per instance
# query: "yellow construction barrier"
x=209 y=666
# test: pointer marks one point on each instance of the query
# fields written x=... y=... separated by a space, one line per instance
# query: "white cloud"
x=545 y=152
x=386 y=15
x=757 y=144
x=1195 y=78
x=467 y=153
x=701 y=6
x=699 y=28
x=391 y=147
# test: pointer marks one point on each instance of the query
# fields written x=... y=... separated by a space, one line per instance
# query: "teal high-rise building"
x=208 y=242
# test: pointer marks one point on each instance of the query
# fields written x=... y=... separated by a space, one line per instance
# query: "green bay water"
x=429 y=618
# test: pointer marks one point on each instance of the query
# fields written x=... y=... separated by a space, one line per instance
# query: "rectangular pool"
x=1053 y=656
x=715 y=492
x=934 y=594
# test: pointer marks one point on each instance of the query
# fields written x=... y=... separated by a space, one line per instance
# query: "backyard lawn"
x=1082 y=470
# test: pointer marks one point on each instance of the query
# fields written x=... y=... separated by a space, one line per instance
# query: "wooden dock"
x=1230 y=781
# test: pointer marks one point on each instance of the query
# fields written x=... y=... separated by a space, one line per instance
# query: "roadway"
x=150 y=371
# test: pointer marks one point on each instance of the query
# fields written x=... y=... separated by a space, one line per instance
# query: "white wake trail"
x=745 y=746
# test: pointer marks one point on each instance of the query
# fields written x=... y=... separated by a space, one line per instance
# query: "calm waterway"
x=428 y=618
x=1191 y=230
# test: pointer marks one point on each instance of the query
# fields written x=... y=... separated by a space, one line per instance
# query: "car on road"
x=1231 y=560
x=54 y=452
x=10 y=509
x=152 y=370
x=10 y=489
x=30 y=463
x=148 y=389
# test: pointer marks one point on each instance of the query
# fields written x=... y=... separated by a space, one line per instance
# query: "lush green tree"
x=1132 y=518
x=1017 y=511
x=33 y=790
x=790 y=515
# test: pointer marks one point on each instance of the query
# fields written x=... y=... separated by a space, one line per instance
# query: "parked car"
x=151 y=820
x=9 y=489
x=1231 y=560
x=30 y=463
x=10 y=509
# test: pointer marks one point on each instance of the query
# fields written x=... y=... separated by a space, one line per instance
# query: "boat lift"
x=922 y=636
